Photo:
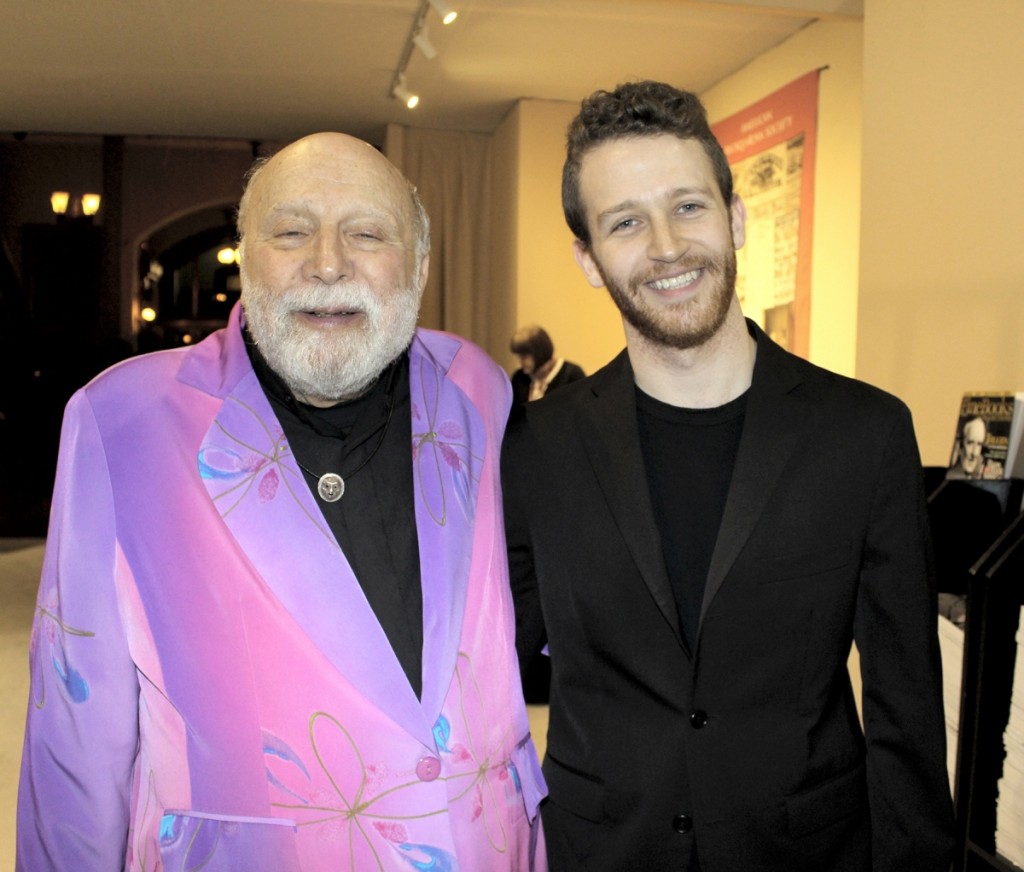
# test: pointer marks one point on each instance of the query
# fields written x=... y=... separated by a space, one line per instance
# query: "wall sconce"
x=59 y=202
x=63 y=203
x=228 y=255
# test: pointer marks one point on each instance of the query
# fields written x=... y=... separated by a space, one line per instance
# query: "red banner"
x=770 y=146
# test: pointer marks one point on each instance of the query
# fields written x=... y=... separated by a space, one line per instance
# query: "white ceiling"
x=276 y=69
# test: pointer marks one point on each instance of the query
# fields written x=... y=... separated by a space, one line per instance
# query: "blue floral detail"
x=76 y=686
x=169 y=827
x=515 y=777
x=438 y=860
x=442 y=733
x=49 y=628
x=274 y=746
x=209 y=471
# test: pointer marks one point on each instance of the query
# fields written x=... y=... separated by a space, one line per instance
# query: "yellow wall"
x=942 y=256
x=836 y=45
x=540 y=273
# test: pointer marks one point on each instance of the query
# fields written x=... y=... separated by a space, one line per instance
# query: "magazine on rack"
x=987 y=441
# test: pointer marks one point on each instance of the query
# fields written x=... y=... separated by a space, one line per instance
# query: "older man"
x=274 y=629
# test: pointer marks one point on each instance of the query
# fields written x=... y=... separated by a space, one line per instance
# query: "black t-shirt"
x=689 y=456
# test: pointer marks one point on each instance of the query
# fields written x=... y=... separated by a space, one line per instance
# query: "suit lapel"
x=251 y=476
x=773 y=422
x=610 y=436
x=448 y=442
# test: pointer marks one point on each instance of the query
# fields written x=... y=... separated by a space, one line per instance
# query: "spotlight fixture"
x=404 y=94
x=448 y=15
x=423 y=43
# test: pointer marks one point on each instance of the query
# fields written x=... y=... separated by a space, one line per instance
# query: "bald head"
x=334 y=157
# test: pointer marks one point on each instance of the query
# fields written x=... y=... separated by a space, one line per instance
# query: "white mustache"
x=351 y=297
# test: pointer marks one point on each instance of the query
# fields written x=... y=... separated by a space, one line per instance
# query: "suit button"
x=682 y=823
x=428 y=768
x=699 y=719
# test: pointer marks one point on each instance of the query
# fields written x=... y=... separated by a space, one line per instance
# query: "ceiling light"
x=404 y=94
x=448 y=15
x=424 y=44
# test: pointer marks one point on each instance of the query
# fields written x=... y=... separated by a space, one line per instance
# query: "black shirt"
x=689 y=456
x=366 y=441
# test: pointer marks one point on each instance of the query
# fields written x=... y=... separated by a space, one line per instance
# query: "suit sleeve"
x=81 y=731
x=896 y=634
x=530 y=633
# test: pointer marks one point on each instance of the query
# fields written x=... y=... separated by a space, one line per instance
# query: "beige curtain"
x=452 y=172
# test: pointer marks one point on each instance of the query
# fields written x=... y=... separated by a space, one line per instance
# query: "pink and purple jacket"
x=211 y=689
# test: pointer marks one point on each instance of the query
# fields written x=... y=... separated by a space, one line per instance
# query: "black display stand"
x=994 y=585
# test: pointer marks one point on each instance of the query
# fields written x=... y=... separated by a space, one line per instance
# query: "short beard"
x=684 y=325
x=317 y=364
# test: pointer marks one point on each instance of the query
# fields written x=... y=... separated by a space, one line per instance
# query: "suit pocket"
x=574 y=791
x=841 y=797
x=222 y=843
x=784 y=567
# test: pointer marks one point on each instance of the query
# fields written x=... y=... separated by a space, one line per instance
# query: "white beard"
x=327 y=364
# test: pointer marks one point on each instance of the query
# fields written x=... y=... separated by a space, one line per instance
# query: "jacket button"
x=682 y=823
x=428 y=768
x=699 y=719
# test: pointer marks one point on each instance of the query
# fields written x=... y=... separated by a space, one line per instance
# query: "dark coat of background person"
x=752 y=739
x=569 y=372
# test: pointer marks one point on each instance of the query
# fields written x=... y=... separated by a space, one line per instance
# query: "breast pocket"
x=804 y=564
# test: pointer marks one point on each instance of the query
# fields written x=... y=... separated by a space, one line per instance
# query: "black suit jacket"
x=749 y=745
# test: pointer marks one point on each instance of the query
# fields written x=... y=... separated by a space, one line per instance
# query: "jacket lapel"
x=448 y=443
x=611 y=439
x=773 y=421
x=250 y=474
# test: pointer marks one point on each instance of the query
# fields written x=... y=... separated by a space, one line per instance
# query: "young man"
x=274 y=628
x=699 y=531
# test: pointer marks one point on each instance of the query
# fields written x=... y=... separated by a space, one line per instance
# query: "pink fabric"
x=210 y=688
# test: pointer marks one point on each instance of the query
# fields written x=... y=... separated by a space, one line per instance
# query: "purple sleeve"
x=81 y=734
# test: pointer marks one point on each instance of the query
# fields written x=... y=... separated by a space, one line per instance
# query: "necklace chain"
x=330 y=486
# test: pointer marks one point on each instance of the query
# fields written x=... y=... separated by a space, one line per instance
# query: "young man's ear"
x=587 y=263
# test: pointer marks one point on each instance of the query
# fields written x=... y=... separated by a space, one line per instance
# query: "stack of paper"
x=951 y=646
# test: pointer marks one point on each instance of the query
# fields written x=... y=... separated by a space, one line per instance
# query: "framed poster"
x=770 y=146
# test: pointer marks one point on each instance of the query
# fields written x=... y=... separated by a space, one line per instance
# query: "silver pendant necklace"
x=330 y=486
